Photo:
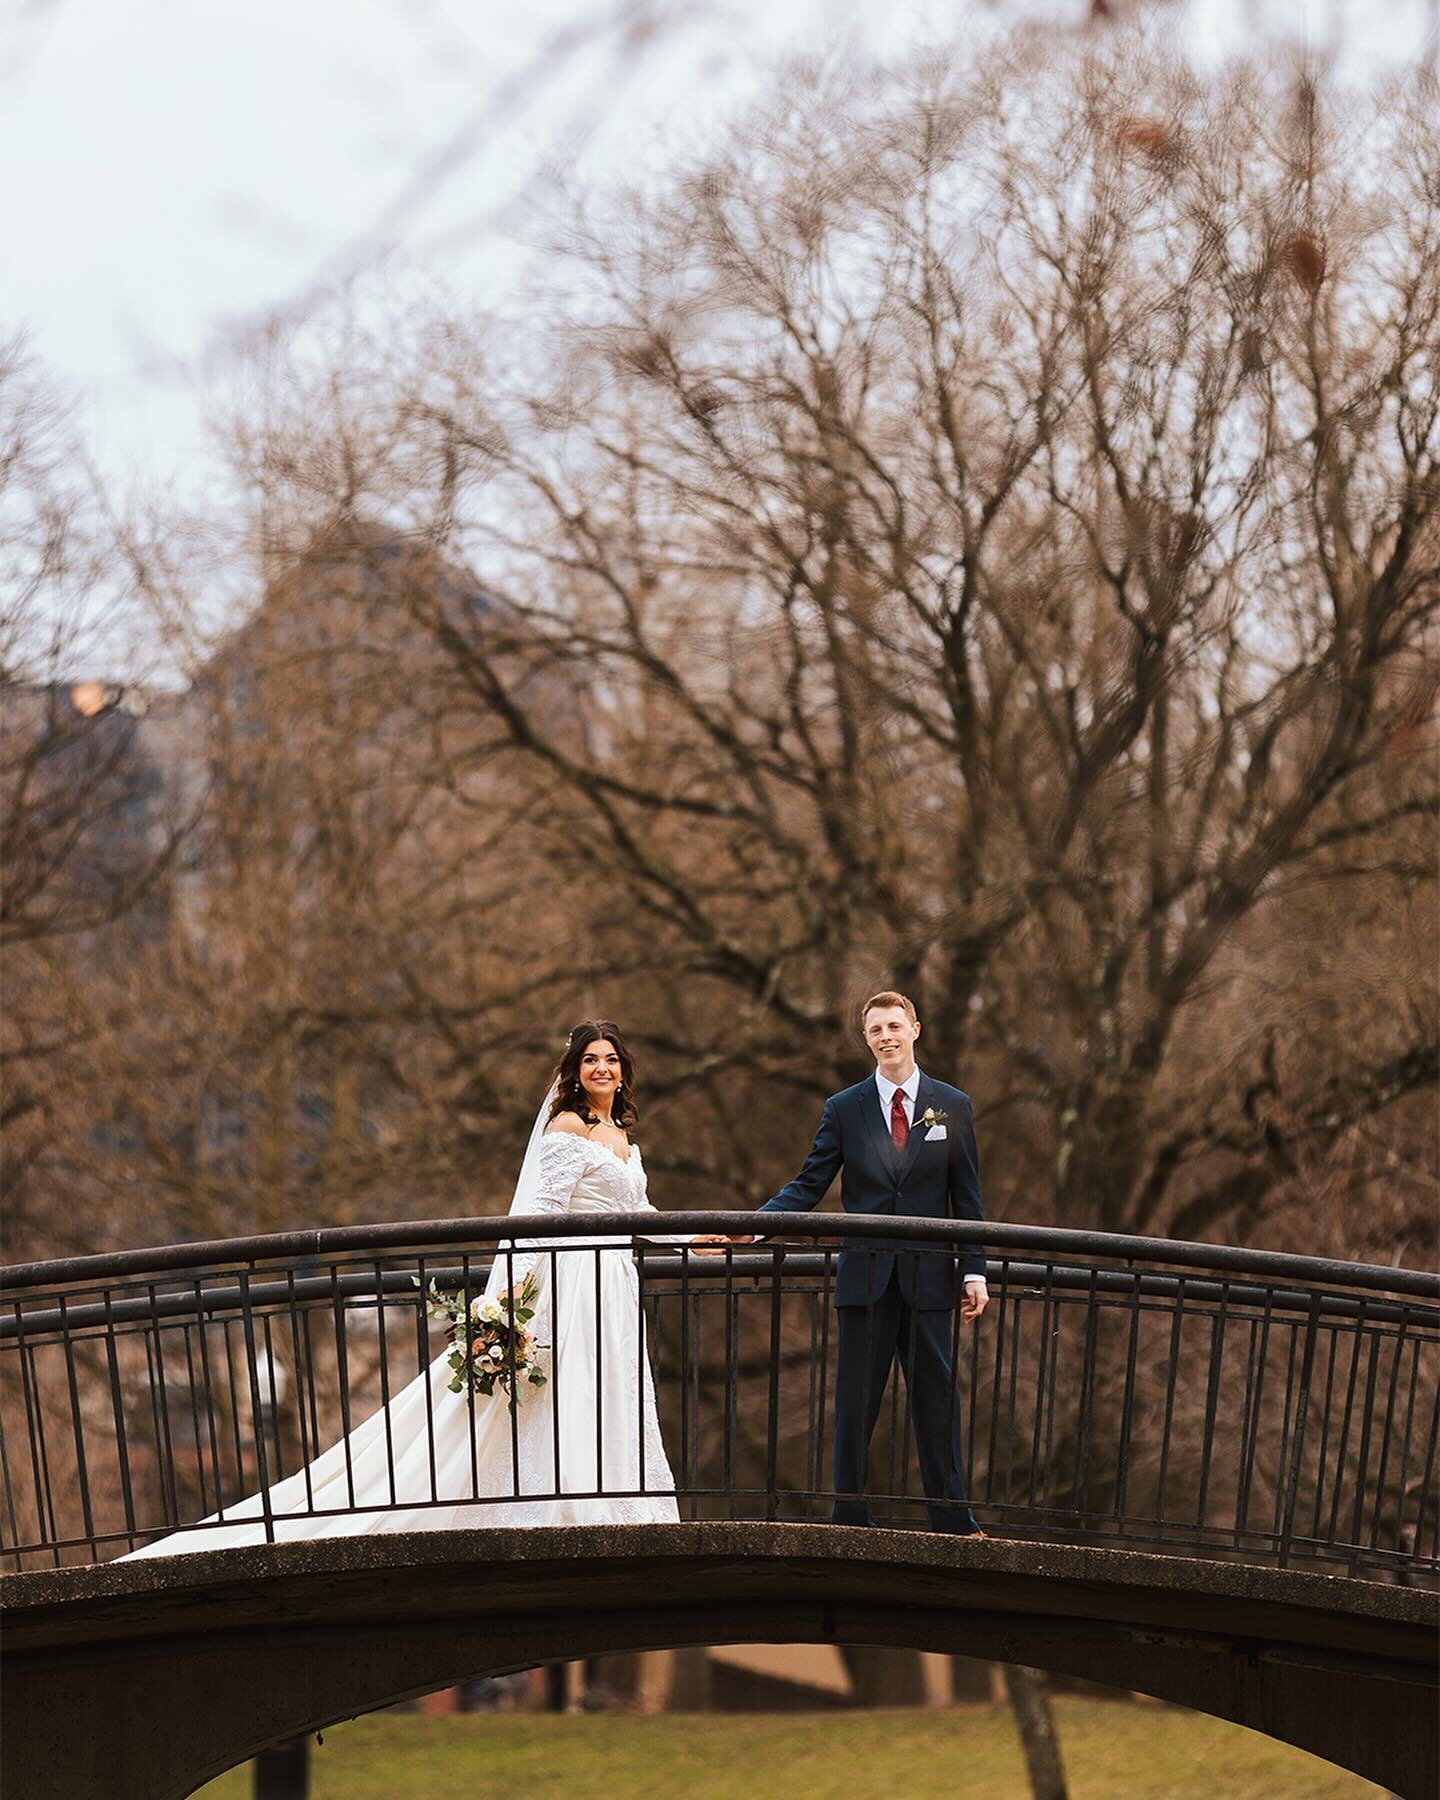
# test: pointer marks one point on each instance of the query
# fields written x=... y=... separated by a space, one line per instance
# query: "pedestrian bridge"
x=1208 y=1474
x=144 y=1679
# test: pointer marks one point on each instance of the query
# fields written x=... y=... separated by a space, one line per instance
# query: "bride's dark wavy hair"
x=570 y=1095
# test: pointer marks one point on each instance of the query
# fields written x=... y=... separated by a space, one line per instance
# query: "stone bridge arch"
x=149 y=1678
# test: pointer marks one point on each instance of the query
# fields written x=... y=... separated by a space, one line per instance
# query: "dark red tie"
x=899 y=1124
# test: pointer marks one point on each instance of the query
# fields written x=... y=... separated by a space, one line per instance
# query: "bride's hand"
x=712 y=1246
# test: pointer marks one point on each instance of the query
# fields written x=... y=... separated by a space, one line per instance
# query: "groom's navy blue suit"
x=889 y=1296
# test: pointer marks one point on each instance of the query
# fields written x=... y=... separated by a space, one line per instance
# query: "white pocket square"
x=935 y=1132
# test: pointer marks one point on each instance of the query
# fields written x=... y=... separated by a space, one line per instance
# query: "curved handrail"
x=413 y=1233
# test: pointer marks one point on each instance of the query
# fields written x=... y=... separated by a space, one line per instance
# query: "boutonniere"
x=930 y=1117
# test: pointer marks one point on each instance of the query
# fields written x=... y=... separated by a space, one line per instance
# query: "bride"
x=587 y=1309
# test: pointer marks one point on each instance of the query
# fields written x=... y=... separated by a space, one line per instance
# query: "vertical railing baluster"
x=1290 y=1486
x=186 y=1331
x=1050 y=1397
x=517 y=1486
x=772 y=1421
x=1012 y=1409
x=1037 y=1429
x=1283 y=1458
x=1172 y=1375
x=384 y=1349
x=167 y=1460
x=1321 y=1454
x=307 y=1453
x=342 y=1379
x=311 y=1394
x=272 y=1408
x=1358 y=1335
x=822 y=1411
x=696 y=1392
x=599 y=1381
x=423 y=1359
x=117 y=1409
x=1002 y=1322
x=974 y=1357
x=78 y=1430
x=467 y=1295
x=1387 y=1428
x=1212 y=1394
x=732 y=1350
x=1249 y=1447
x=1402 y=1479
x=55 y=1532
x=688 y=1481
x=35 y=1428
x=812 y=1391
x=1086 y=1408
x=257 y=1417
x=228 y=1340
x=1362 y=1460
x=1127 y=1405
x=637 y=1263
x=1244 y=1437
x=553 y=1390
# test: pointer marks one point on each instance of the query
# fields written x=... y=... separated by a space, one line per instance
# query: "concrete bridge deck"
x=146 y=1679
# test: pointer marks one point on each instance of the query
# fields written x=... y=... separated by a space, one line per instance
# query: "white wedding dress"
x=597 y=1374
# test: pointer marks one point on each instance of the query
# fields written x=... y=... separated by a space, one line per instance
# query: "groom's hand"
x=712 y=1246
x=976 y=1298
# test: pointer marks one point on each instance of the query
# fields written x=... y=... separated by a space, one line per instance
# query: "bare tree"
x=994 y=519
x=87 y=844
x=978 y=533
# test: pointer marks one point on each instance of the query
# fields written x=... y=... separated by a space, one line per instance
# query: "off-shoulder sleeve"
x=563 y=1160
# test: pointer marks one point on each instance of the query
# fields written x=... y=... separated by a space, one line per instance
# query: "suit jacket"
x=930 y=1180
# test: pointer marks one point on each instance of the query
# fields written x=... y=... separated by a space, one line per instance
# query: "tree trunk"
x=1036 y=1724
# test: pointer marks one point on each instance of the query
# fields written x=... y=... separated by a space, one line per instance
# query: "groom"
x=889 y=1298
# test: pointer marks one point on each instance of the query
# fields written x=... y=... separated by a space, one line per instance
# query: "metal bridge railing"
x=1199 y=1399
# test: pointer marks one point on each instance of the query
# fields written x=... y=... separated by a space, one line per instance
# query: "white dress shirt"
x=910 y=1087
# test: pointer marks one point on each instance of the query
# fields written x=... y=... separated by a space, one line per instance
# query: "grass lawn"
x=1113 y=1750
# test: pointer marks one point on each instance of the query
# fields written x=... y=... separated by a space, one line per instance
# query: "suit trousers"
x=869 y=1339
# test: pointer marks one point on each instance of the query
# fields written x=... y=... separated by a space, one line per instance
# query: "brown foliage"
x=1152 y=137
x=1303 y=255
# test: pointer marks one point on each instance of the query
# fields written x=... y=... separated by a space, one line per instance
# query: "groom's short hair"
x=887 y=999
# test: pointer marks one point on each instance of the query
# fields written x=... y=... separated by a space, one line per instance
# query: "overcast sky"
x=174 y=168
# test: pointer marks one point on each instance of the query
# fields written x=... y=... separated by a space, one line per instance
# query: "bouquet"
x=490 y=1346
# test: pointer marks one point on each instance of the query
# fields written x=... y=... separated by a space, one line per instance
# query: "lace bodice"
x=580 y=1175
x=583 y=1175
